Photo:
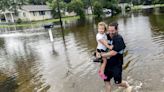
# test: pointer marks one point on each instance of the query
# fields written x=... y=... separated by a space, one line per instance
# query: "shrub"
x=19 y=21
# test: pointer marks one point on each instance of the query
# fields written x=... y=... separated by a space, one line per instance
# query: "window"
x=34 y=13
x=41 y=12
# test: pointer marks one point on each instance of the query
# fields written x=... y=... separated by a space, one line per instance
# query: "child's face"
x=101 y=29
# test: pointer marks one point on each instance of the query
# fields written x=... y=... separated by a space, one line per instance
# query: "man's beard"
x=113 y=34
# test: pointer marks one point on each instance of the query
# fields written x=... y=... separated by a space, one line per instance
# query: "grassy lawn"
x=140 y=6
x=39 y=22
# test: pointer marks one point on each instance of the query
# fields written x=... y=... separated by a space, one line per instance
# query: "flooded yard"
x=30 y=62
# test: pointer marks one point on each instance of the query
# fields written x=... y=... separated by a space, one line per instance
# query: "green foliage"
x=37 y=2
x=75 y=5
x=98 y=9
x=110 y=3
x=67 y=1
x=116 y=10
x=53 y=5
x=78 y=7
x=19 y=21
x=12 y=5
x=158 y=1
x=7 y=4
x=87 y=3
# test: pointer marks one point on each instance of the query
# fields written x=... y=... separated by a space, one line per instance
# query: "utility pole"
x=59 y=13
x=61 y=24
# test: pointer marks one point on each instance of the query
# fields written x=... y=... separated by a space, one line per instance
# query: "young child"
x=102 y=45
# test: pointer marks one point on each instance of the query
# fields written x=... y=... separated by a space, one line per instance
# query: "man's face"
x=112 y=30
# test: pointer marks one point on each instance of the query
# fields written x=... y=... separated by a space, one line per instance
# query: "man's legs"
x=118 y=79
x=107 y=86
x=109 y=75
x=125 y=85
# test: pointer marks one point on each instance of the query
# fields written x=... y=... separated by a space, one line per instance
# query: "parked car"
x=107 y=12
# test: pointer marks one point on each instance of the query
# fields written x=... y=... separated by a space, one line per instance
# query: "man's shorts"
x=114 y=72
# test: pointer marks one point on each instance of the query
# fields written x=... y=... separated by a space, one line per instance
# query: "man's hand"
x=111 y=47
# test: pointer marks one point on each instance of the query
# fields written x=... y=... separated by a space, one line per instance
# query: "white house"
x=28 y=13
x=35 y=12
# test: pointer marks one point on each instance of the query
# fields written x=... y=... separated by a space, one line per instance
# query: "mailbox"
x=48 y=26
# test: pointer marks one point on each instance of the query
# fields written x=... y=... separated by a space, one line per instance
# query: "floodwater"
x=30 y=62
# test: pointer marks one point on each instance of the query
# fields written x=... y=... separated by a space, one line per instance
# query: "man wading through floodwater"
x=114 y=64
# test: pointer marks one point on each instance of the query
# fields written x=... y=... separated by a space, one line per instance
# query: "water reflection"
x=9 y=85
x=69 y=66
x=20 y=60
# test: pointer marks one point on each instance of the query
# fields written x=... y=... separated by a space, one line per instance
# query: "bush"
x=116 y=10
x=98 y=9
x=78 y=7
x=19 y=21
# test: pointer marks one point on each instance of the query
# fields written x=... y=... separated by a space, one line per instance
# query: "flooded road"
x=29 y=62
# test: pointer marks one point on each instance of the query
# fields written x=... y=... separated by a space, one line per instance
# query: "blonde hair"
x=103 y=24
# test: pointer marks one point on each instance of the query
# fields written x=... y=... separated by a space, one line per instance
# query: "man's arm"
x=105 y=43
x=118 y=46
x=109 y=54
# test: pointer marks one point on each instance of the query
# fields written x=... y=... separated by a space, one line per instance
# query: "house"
x=34 y=12
x=27 y=13
x=8 y=16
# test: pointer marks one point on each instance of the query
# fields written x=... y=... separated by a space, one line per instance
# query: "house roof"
x=35 y=7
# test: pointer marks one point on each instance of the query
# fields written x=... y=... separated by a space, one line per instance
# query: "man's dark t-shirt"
x=119 y=45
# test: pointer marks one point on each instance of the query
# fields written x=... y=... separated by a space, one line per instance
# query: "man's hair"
x=115 y=24
x=103 y=24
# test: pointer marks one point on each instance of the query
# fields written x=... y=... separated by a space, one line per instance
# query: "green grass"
x=39 y=22
x=140 y=6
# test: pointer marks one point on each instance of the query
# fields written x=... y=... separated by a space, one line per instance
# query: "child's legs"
x=103 y=65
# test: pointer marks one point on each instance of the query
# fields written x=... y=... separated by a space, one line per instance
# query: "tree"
x=136 y=2
x=6 y=4
x=67 y=1
x=98 y=9
x=87 y=3
x=53 y=5
x=158 y=1
x=75 y=5
x=37 y=2
x=78 y=7
x=12 y=5
x=109 y=3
